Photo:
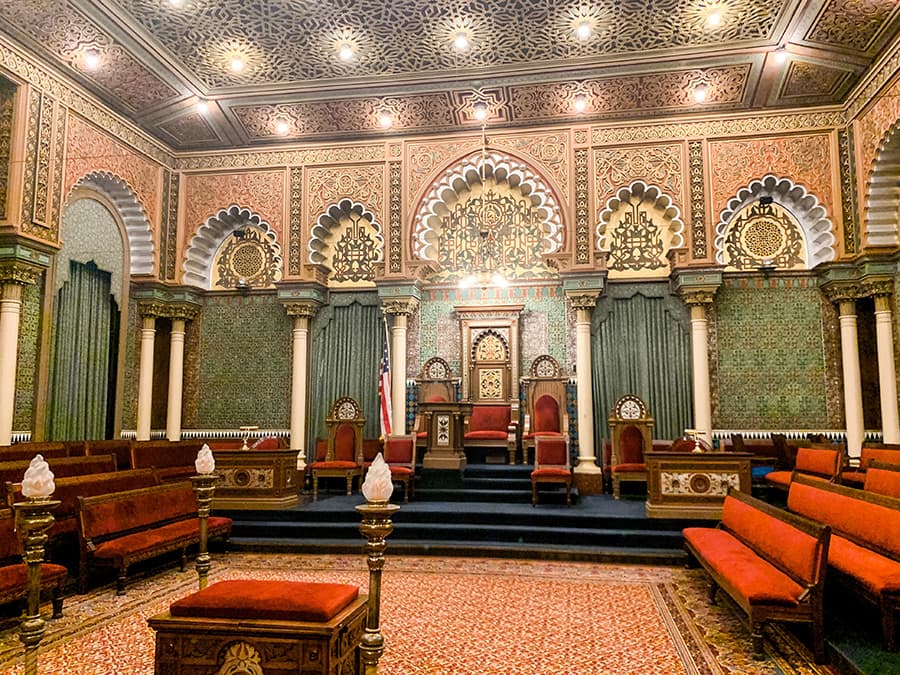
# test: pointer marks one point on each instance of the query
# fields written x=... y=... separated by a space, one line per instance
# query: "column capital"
x=399 y=306
x=151 y=308
x=583 y=300
x=876 y=287
x=843 y=291
x=18 y=272
x=698 y=296
x=303 y=308
x=183 y=311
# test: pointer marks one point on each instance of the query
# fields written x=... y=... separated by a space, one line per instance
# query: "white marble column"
x=301 y=313
x=700 y=369
x=853 y=407
x=145 y=377
x=887 y=374
x=587 y=459
x=176 y=380
x=10 y=309
x=400 y=309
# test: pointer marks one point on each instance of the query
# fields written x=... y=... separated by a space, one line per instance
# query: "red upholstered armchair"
x=400 y=455
x=631 y=429
x=551 y=465
x=491 y=426
x=344 y=453
x=547 y=418
x=544 y=403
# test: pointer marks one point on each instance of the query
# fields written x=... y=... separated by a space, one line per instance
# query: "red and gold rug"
x=456 y=616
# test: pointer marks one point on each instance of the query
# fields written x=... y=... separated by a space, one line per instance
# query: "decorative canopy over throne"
x=631 y=431
x=344 y=456
x=545 y=403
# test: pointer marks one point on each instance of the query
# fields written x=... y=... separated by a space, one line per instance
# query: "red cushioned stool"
x=279 y=626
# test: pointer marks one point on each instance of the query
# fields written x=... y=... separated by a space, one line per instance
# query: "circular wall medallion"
x=700 y=483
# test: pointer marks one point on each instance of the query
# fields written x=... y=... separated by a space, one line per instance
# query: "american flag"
x=384 y=392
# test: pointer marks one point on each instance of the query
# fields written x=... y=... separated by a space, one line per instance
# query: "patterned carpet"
x=456 y=617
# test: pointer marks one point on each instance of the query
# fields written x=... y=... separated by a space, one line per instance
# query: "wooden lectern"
x=444 y=420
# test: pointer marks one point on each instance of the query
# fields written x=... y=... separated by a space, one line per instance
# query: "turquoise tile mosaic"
x=26 y=366
x=543 y=325
x=244 y=363
x=771 y=356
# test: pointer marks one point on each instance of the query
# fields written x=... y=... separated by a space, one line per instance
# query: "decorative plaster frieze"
x=18 y=272
x=325 y=155
x=303 y=308
x=399 y=306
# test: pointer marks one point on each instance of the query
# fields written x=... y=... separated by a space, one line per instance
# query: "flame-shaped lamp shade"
x=38 y=481
x=378 y=485
x=205 y=463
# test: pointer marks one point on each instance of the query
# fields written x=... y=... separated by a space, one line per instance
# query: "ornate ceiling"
x=155 y=59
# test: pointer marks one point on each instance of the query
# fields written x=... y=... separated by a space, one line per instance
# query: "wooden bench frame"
x=89 y=540
x=811 y=606
x=887 y=604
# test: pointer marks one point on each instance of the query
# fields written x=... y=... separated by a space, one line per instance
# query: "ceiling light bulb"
x=580 y=103
x=714 y=18
x=202 y=107
x=237 y=64
x=583 y=30
x=480 y=110
x=461 y=42
x=282 y=127
x=345 y=52
x=386 y=119
x=781 y=55
x=700 y=93
x=91 y=59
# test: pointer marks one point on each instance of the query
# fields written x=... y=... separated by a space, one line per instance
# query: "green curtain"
x=641 y=344
x=348 y=339
x=80 y=369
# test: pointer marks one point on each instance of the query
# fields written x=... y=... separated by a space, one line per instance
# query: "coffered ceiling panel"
x=271 y=71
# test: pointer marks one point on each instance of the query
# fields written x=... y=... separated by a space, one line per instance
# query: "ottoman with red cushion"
x=271 y=627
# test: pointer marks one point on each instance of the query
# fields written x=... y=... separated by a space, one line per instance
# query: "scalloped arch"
x=330 y=219
x=656 y=199
x=482 y=336
x=459 y=178
x=883 y=194
x=134 y=218
x=201 y=251
x=805 y=207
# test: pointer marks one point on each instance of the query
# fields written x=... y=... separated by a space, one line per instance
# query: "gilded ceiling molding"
x=260 y=159
x=876 y=78
x=725 y=127
x=72 y=96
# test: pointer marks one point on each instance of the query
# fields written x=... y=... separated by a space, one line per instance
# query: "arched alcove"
x=638 y=227
x=488 y=205
x=348 y=240
x=883 y=196
x=233 y=223
x=806 y=211
x=134 y=219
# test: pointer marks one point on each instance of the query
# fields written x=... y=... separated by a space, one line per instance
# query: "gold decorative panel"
x=490 y=384
x=491 y=348
x=7 y=104
x=90 y=150
x=348 y=241
x=853 y=24
x=328 y=185
x=660 y=165
x=263 y=192
x=764 y=233
x=805 y=159
x=248 y=258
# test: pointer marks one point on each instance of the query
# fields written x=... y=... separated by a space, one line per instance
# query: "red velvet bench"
x=772 y=563
x=280 y=627
x=865 y=542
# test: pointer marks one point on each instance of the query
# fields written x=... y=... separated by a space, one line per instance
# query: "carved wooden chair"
x=400 y=455
x=631 y=429
x=551 y=465
x=545 y=403
x=435 y=384
x=344 y=454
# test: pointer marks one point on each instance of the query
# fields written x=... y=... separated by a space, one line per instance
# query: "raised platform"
x=483 y=511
